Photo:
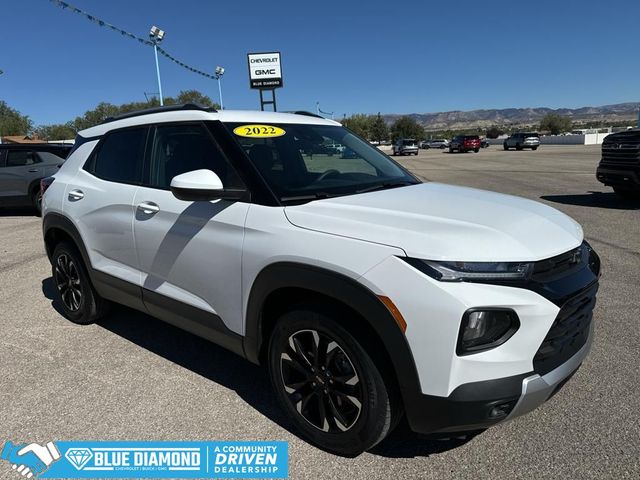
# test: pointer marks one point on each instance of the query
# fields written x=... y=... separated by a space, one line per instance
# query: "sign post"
x=265 y=74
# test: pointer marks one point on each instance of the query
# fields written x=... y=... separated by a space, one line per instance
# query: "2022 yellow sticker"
x=258 y=131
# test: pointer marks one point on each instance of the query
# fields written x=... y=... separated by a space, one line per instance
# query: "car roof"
x=198 y=114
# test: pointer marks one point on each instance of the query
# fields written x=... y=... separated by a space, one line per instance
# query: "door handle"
x=33 y=170
x=76 y=195
x=149 y=208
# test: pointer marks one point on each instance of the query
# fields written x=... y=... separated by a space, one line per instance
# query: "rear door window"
x=21 y=158
x=120 y=157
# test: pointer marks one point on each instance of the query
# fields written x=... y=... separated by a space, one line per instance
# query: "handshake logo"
x=30 y=460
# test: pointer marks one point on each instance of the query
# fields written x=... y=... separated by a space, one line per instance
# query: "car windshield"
x=408 y=143
x=303 y=162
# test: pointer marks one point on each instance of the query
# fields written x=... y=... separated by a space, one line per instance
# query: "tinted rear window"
x=472 y=137
x=530 y=134
x=120 y=156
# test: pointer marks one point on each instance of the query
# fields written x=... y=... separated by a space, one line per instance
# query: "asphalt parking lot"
x=134 y=378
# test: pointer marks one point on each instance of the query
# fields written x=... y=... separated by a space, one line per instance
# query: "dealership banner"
x=104 y=459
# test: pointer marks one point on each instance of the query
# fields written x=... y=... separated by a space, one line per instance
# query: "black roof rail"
x=166 y=108
x=308 y=114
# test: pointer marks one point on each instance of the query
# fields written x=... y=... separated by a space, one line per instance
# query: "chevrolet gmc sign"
x=264 y=70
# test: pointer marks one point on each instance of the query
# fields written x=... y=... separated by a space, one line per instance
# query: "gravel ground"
x=135 y=378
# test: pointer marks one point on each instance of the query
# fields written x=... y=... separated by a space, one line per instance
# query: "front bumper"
x=479 y=405
x=619 y=176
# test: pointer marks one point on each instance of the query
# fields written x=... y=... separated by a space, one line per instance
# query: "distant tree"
x=494 y=132
x=555 y=124
x=378 y=129
x=12 y=122
x=360 y=124
x=104 y=110
x=56 y=132
x=407 y=127
x=193 y=96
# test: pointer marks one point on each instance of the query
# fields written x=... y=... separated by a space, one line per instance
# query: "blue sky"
x=388 y=56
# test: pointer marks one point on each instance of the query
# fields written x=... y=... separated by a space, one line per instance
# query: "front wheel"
x=504 y=145
x=36 y=201
x=328 y=384
x=476 y=150
x=450 y=150
x=534 y=148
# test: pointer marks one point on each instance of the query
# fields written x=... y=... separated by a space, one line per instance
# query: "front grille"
x=621 y=153
x=569 y=331
x=545 y=270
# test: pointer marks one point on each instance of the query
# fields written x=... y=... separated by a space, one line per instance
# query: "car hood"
x=442 y=222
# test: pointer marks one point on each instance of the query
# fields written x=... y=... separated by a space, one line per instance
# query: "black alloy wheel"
x=79 y=301
x=67 y=280
x=321 y=381
x=327 y=382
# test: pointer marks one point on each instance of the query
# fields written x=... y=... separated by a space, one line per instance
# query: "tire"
x=450 y=150
x=36 y=201
x=518 y=147
x=348 y=429
x=79 y=301
x=476 y=150
x=627 y=193
x=534 y=148
x=504 y=145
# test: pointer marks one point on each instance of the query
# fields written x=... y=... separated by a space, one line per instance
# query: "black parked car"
x=22 y=166
x=620 y=163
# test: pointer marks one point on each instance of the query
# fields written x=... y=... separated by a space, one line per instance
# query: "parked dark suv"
x=465 y=143
x=22 y=166
x=620 y=163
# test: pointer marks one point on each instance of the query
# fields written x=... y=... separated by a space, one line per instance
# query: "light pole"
x=219 y=73
x=156 y=36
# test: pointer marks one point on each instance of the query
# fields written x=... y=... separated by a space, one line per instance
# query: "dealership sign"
x=265 y=70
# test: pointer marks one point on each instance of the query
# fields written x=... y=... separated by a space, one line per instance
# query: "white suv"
x=368 y=294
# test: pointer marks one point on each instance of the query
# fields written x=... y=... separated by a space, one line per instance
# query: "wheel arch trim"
x=342 y=289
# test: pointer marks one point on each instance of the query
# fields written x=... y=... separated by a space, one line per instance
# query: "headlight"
x=472 y=271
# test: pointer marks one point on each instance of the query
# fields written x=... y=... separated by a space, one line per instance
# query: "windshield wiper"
x=385 y=186
x=312 y=196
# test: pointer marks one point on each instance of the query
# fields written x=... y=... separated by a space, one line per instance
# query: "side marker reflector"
x=394 y=311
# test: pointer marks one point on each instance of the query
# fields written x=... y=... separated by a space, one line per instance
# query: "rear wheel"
x=450 y=150
x=79 y=300
x=518 y=147
x=534 y=148
x=476 y=150
x=328 y=384
x=504 y=145
x=627 y=193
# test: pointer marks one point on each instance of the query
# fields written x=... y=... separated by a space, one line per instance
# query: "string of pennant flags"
x=124 y=33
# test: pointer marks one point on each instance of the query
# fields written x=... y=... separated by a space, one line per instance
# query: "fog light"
x=482 y=329
x=502 y=410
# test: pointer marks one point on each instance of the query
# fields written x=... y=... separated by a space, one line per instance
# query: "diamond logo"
x=78 y=457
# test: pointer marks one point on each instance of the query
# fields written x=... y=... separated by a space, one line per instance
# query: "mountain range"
x=520 y=116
